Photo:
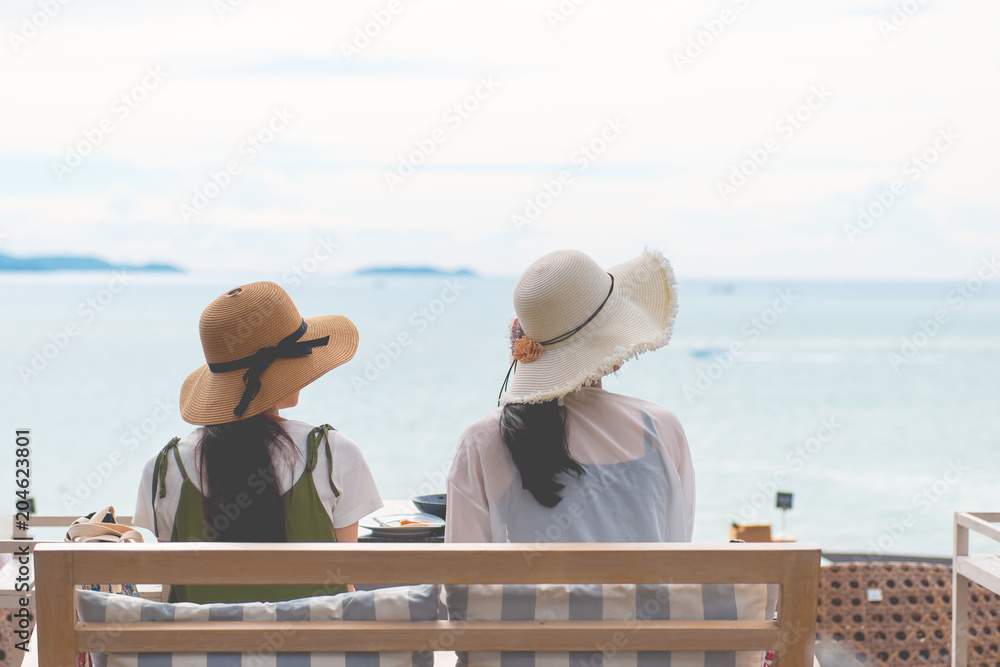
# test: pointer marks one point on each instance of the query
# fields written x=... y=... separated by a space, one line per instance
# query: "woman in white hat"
x=564 y=460
x=248 y=475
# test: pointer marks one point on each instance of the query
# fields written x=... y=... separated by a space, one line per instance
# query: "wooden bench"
x=794 y=567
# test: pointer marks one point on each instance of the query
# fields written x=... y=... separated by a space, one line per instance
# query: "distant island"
x=411 y=271
x=8 y=263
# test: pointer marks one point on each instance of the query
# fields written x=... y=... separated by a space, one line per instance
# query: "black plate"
x=433 y=504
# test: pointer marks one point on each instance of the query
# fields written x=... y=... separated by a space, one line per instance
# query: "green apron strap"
x=160 y=478
x=177 y=457
x=312 y=453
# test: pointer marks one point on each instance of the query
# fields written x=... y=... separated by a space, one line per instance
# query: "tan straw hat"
x=580 y=321
x=259 y=350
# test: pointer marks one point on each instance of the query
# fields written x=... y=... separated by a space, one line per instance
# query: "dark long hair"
x=535 y=435
x=242 y=502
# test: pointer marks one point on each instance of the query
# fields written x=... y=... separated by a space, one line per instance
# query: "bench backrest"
x=794 y=567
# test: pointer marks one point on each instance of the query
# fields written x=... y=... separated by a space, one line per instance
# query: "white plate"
x=434 y=524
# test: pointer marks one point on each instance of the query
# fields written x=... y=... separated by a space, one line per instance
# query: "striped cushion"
x=404 y=603
x=626 y=602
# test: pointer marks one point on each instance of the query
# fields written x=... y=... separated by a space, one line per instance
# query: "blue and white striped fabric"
x=403 y=603
x=623 y=602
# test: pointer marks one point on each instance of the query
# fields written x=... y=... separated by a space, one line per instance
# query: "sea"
x=874 y=404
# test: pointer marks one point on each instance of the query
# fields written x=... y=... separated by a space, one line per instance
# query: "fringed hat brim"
x=638 y=317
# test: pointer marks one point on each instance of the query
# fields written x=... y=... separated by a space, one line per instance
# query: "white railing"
x=984 y=569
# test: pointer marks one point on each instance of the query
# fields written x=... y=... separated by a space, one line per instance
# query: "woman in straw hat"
x=564 y=460
x=248 y=475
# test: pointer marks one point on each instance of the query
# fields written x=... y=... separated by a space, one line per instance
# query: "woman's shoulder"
x=478 y=447
x=482 y=433
x=185 y=444
x=662 y=416
x=186 y=447
x=659 y=413
x=295 y=428
x=603 y=395
x=299 y=432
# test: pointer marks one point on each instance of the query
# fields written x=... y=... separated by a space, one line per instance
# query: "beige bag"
x=101 y=526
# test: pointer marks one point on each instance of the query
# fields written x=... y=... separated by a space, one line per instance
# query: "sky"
x=846 y=140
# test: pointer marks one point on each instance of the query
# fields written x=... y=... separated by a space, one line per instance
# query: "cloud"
x=356 y=119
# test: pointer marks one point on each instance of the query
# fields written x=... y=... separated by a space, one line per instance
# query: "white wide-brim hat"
x=611 y=315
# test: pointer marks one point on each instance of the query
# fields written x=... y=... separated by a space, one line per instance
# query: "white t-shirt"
x=638 y=485
x=358 y=494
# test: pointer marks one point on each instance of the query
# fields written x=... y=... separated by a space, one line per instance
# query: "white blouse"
x=638 y=484
x=358 y=497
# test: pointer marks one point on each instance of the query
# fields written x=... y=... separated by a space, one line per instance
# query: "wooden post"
x=56 y=608
x=959 y=599
x=797 y=611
